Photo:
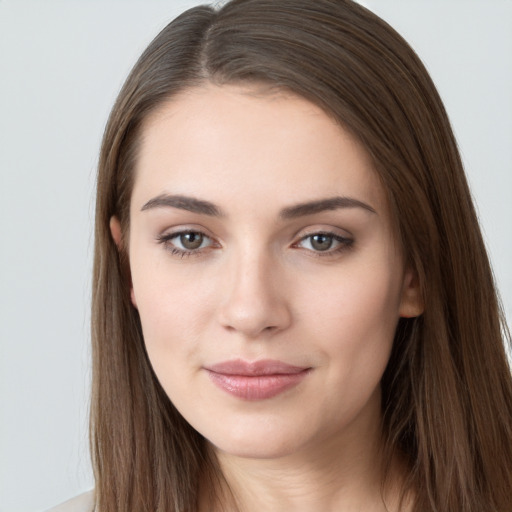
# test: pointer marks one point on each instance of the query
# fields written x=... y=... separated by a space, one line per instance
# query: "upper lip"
x=255 y=368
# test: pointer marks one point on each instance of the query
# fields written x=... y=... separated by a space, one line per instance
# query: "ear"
x=115 y=231
x=411 y=304
x=117 y=236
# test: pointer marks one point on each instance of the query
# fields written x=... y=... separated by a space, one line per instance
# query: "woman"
x=293 y=308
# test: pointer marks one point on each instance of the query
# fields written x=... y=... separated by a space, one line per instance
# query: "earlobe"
x=411 y=304
x=115 y=231
x=117 y=236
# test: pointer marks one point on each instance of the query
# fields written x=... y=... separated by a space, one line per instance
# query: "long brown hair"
x=447 y=390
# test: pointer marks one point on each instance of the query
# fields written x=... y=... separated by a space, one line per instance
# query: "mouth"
x=257 y=380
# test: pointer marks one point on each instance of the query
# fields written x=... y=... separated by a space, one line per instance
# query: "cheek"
x=353 y=322
x=169 y=330
x=355 y=301
x=174 y=309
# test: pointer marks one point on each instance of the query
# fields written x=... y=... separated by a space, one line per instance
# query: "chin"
x=258 y=442
x=257 y=450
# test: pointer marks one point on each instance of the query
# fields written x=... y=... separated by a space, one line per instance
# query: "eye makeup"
x=190 y=242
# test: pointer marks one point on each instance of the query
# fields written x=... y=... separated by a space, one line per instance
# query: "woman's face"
x=264 y=269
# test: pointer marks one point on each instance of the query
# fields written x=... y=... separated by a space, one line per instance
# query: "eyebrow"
x=202 y=207
x=322 y=205
x=190 y=204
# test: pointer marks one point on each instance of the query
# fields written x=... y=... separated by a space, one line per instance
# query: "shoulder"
x=82 y=503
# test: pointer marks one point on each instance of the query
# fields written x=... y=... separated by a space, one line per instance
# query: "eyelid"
x=179 y=229
x=311 y=228
x=342 y=241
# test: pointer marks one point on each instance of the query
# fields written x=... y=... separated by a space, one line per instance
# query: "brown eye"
x=191 y=241
x=321 y=242
x=186 y=243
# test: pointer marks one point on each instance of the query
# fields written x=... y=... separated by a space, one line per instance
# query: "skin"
x=258 y=288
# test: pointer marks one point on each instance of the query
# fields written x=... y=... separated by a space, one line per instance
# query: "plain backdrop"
x=61 y=66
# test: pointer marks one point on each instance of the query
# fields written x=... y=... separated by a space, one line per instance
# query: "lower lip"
x=256 y=387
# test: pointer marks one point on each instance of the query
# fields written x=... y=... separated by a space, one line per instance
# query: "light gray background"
x=61 y=65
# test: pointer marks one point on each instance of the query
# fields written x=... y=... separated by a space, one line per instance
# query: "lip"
x=258 y=380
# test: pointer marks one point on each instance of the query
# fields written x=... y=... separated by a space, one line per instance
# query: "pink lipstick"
x=258 y=380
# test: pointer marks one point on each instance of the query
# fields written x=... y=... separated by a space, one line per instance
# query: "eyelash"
x=166 y=240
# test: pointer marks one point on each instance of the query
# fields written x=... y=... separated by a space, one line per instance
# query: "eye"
x=324 y=243
x=320 y=242
x=189 y=241
x=185 y=243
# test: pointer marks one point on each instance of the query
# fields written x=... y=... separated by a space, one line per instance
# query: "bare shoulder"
x=82 y=503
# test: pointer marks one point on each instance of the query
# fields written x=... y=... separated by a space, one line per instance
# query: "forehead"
x=235 y=145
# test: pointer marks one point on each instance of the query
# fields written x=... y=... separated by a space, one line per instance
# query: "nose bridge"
x=254 y=301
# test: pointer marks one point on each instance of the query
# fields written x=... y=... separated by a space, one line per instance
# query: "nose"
x=255 y=300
